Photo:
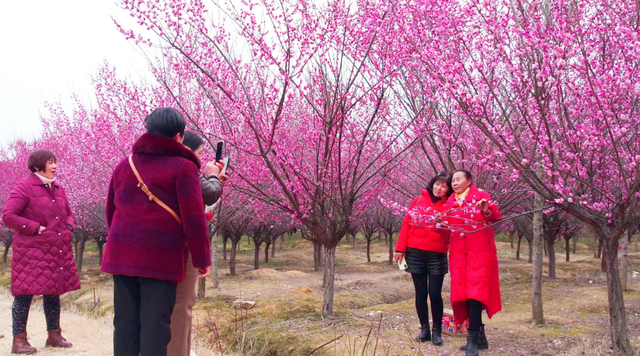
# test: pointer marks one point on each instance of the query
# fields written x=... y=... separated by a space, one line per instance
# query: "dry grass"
x=290 y=304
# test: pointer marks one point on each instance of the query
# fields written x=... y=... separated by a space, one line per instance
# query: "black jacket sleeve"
x=211 y=189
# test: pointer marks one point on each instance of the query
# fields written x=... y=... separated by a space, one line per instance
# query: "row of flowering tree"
x=328 y=107
x=553 y=87
x=301 y=93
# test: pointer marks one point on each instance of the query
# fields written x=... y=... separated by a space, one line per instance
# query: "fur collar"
x=163 y=146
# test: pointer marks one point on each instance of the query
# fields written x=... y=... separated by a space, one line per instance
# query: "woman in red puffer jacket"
x=425 y=247
x=38 y=212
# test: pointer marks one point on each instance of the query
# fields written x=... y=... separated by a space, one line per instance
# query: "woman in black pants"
x=425 y=247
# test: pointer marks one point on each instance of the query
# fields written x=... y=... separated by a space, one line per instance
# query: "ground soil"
x=373 y=308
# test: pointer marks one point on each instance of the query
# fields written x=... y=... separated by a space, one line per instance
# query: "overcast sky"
x=50 y=49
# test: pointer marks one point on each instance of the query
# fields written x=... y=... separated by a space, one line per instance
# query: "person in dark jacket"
x=425 y=247
x=146 y=243
x=211 y=181
x=182 y=316
x=38 y=212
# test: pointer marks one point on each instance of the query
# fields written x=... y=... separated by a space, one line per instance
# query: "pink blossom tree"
x=298 y=91
x=553 y=87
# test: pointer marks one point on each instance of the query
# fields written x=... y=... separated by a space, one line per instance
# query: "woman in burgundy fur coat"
x=38 y=212
x=146 y=249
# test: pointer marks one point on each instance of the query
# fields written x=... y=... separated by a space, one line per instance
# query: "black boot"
x=483 y=343
x=425 y=333
x=472 y=343
x=436 y=336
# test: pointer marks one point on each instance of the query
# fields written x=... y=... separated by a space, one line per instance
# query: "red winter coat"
x=144 y=240
x=422 y=234
x=473 y=261
x=42 y=263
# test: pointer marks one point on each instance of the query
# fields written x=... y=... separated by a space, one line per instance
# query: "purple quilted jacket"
x=42 y=263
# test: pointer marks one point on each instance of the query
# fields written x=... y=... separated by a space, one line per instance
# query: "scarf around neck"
x=48 y=182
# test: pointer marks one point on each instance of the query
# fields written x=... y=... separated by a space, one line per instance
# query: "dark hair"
x=166 y=122
x=192 y=140
x=38 y=160
x=467 y=174
x=442 y=177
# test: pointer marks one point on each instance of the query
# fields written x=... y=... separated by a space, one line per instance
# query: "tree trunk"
x=232 y=258
x=391 y=249
x=511 y=237
x=567 y=251
x=637 y=238
x=600 y=246
x=552 y=256
x=324 y=273
x=256 y=257
x=80 y=256
x=368 y=250
x=5 y=253
x=273 y=249
x=202 y=287
x=355 y=242
x=317 y=256
x=518 y=250
x=329 y=273
x=536 y=280
x=617 y=313
x=214 y=262
x=530 y=251
x=266 y=253
x=224 y=248
x=575 y=243
x=624 y=260
x=100 y=252
x=595 y=247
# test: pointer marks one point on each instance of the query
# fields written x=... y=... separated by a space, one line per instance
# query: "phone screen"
x=219 y=152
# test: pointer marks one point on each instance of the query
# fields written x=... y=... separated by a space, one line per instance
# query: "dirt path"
x=90 y=337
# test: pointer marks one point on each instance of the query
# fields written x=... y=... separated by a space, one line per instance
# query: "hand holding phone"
x=402 y=264
x=213 y=169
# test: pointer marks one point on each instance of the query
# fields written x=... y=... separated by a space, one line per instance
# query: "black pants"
x=20 y=312
x=475 y=314
x=430 y=284
x=142 y=320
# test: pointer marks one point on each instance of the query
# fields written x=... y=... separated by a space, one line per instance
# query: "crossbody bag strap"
x=146 y=191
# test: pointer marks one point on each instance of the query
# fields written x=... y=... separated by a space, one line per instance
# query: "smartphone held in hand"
x=402 y=264
x=226 y=165
x=219 y=151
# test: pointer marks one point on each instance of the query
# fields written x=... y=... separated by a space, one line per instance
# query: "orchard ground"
x=374 y=307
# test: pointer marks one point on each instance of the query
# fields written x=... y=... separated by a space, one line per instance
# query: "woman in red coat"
x=425 y=247
x=475 y=283
x=42 y=264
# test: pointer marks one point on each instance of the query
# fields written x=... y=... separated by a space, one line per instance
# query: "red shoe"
x=55 y=339
x=22 y=346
